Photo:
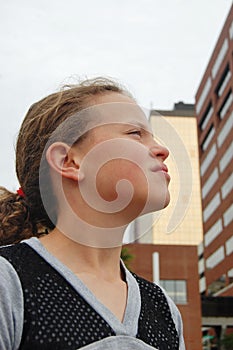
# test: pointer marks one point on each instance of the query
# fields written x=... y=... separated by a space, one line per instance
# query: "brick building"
x=214 y=109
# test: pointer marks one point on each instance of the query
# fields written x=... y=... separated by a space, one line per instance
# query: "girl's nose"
x=159 y=151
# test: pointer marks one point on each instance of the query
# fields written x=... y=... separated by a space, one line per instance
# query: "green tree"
x=227 y=341
x=126 y=256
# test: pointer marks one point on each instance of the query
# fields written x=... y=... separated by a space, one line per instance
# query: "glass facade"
x=185 y=200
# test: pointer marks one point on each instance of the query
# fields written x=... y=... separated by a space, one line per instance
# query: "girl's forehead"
x=118 y=113
x=121 y=113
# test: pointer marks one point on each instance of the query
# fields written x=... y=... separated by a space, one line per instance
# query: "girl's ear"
x=64 y=160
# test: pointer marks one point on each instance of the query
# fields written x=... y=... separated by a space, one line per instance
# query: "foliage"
x=126 y=256
x=227 y=341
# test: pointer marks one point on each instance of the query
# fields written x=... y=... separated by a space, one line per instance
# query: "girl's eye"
x=135 y=132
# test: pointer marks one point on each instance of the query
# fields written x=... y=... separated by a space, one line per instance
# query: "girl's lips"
x=166 y=175
x=164 y=168
x=161 y=168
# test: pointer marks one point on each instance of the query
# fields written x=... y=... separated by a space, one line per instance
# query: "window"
x=223 y=81
x=202 y=284
x=226 y=105
x=220 y=58
x=208 y=160
x=208 y=138
x=229 y=246
x=231 y=31
x=200 y=249
x=213 y=232
x=202 y=274
x=211 y=207
x=227 y=186
x=203 y=95
x=225 y=130
x=226 y=159
x=201 y=266
x=210 y=183
x=206 y=117
x=215 y=258
x=228 y=216
x=176 y=289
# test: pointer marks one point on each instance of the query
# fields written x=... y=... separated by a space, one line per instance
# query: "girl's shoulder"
x=11 y=302
x=9 y=279
x=12 y=251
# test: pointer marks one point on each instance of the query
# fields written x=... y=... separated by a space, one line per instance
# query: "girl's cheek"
x=114 y=171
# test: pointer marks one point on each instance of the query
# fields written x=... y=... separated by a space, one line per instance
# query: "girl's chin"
x=156 y=204
x=167 y=200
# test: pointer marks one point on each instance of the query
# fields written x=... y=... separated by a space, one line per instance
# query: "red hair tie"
x=21 y=193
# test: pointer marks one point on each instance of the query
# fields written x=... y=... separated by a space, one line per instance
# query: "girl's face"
x=123 y=165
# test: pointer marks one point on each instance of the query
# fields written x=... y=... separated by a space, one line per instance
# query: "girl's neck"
x=101 y=262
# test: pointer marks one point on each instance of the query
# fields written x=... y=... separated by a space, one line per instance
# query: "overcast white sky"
x=159 y=49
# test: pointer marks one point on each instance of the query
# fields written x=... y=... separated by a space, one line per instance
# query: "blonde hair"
x=23 y=217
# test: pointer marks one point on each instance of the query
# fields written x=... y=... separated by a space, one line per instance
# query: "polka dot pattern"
x=156 y=326
x=58 y=318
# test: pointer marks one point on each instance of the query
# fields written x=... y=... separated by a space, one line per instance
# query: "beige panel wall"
x=186 y=226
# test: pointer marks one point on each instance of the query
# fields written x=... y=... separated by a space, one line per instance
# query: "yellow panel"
x=183 y=131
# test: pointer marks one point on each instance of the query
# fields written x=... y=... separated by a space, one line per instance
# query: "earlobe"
x=62 y=159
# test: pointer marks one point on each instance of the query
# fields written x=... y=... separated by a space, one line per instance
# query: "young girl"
x=87 y=164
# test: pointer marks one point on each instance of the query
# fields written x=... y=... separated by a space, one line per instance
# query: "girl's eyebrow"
x=141 y=125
